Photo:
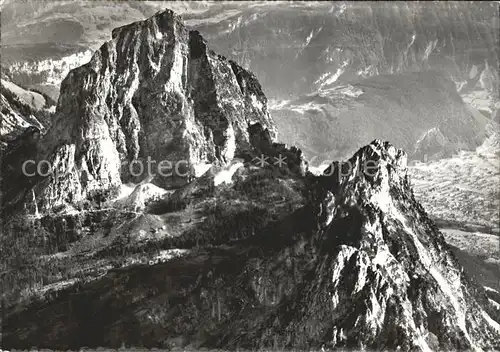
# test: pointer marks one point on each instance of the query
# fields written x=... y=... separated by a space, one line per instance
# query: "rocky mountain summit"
x=359 y=265
x=154 y=92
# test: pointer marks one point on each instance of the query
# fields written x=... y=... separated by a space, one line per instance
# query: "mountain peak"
x=161 y=22
x=374 y=234
x=374 y=175
x=372 y=162
x=154 y=92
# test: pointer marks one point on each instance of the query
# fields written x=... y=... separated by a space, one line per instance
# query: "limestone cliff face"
x=154 y=91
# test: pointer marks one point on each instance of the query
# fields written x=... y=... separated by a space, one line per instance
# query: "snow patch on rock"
x=226 y=175
x=201 y=168
x=141 y=196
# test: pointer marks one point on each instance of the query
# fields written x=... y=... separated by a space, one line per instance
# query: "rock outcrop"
x=153 y=94
x=280 y=154
x=20 y=109
x=360 y=266
x=434 y=145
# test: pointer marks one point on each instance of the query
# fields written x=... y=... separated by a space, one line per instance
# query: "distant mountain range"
x=402 y=108
x=294 y=48
x=303 y=54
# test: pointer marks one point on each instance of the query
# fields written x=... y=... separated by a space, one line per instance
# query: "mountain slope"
x=402 y=108
x=20 y=109
x=359 y=266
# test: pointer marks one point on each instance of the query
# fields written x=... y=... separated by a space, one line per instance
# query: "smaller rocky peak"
x=388 y=153
x=260 y=137
x=282 y=154
x=376 y=177
x=368 y=162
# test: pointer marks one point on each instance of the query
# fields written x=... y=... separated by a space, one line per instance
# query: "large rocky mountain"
x=256 y=253
x=154 y=92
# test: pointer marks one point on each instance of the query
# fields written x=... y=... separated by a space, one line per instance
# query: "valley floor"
x=462 y=191
x=479 y=254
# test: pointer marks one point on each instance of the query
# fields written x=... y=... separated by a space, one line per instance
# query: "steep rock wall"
x=154 y=91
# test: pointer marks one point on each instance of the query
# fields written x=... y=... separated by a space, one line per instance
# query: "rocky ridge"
x=395 y=249
x=359 y=266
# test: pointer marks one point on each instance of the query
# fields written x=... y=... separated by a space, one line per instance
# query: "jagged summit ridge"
x=154 y=90
x=395 y=261
x=365 y=178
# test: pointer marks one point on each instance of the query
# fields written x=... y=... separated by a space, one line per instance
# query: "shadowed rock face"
x=360 y=266
x=154 y=91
